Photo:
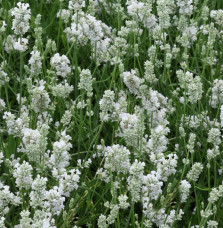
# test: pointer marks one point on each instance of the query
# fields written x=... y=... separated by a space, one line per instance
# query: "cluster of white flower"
x=3 y=75
x=61 y=65
x=107 y=106
x=22 y=16
x=15 y=126
x=157 y=144
x=167 y=166
x=35 y=63
x=189 y=35
x=23 y=175
x=105 y=222
x=186 y=7
x=149 y=72
x=38 y=192
x=34 y=143
x=86 y=81
x=184 y=189
x=132 y=81
x=131 y=27
x=62 y=89
x=54 y=201
x=76 y=4
x=69 y=181
x=195 y=172
x=129 y=129
x=142 y=11
x=64 y=15
x=135 y=180
x=152 y=185
x=2 y=105
x=191 y=142
x=217 y=93
x=85 y=27
x=7 y=198
x=1 y=157
x=123 y=204
x=221 y=116
x=20 y=25
x=41 y=218
x=164 y=10
x=214 y=136
x=31 y=140
x=40 y=97
x=21 y=44
x=66 y=118
x=215 y=194
x=158 y=216
x=192 y=86
x=117 y=158
x=157 y=106
x=60 y=155
x=217 y=15
x=212 y=153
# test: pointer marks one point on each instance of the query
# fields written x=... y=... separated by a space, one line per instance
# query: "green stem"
x=21 y=80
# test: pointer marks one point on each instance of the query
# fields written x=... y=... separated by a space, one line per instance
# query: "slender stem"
x=20 y=82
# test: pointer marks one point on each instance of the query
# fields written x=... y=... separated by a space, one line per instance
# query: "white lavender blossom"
x=62 y=89
x=117 y=158
x=21 y=44
x=69 y=181
x=64 y=15
x=2 y=222
x=214 y=136
x=217 y=15
x=7 y=198
x=129 y=129
x=132 y=81
x=38 y=192
x=113 y=214
x=15 y=126
x=40 y=97
x=149 y=72
x=157 y=144
x=217 y=93
x=191 y=142
x=22 y=14
x=135 y=180
x=102 y=221
x=86 y=27
x=213 y=153
x=184 y=189
x=35 y=63
x=54 y=201
x=23 y=175
x=61 y=65
x=2 y=105
x=167 y=166
x=195 y=172
x=123 y=204
x=192 y=86
x=86 y=82
x=152 y=185
x=107 y=106
x=3 y=76
x=30 y=144
x=60 y=155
